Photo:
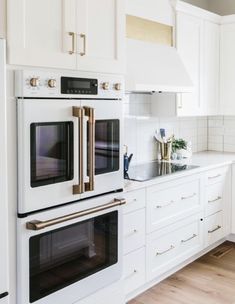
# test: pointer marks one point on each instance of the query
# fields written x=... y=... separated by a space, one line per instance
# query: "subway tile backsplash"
x=140 y=128
x=221 y=133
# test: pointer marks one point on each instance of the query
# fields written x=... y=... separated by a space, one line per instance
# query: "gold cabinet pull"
x=83 y=36
x=38 y=225
x=79 y=113
x=163 y=252
x=189 y=239
x=73 y=35
x=90 y=113
x=217 y=228
x=215 y=200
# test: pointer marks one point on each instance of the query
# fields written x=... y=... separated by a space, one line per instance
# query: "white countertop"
x=205 y=160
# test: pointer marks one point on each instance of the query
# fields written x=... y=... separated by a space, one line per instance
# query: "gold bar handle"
x=189 y=239
x=73 y=35
x=83 y=36
x=215 y=200
x=38 y=225
x=79 y=113
x=90 y=112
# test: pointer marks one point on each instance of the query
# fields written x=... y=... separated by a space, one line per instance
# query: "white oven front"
x=67 y=150
x=66 y=254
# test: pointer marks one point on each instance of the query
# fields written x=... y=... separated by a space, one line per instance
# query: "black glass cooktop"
x=151 y=170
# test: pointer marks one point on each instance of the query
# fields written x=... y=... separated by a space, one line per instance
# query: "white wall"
x=2 y=18
x=157 y=10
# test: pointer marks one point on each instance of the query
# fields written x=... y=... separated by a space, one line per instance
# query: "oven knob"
x=105 y=85
x=51 y=83
x=34 y=82
x=118 y=86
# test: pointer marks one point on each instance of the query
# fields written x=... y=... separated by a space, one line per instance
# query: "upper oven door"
x=48 y=153
x=103 y=165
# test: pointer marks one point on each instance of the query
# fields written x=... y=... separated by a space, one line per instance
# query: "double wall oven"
x=69 y=137
x=69 y=180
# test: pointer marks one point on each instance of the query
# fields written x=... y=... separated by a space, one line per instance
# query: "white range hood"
x=155 y=68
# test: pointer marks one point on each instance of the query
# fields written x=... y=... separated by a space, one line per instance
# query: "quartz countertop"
x=205 y=160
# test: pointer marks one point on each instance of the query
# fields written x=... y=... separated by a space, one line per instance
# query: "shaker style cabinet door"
x=40 y=33
x=189 y=43
x=100 y=35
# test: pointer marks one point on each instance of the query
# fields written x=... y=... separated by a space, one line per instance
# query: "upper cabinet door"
x=227 y=70
x=39 y=33
x=189 y=42
x=101 y=35
x=211 y=67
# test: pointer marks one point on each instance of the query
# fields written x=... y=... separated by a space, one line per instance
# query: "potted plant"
x=181 y=149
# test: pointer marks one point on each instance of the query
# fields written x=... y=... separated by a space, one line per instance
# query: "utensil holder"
x=166 y=150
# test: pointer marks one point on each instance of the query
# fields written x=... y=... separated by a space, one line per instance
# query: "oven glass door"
x=51 y=151
x=67 y=255
x=107 y=146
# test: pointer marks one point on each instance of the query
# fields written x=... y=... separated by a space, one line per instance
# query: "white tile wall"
x=140 y=128
x=221 y=133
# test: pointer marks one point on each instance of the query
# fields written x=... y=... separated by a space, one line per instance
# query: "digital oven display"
x=81 y=86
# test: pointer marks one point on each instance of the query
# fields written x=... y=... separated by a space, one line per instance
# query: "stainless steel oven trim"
x=39 y=225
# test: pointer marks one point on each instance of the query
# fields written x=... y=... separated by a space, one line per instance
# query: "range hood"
x=155 y=68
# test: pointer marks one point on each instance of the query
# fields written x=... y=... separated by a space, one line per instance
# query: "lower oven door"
x=71 y=254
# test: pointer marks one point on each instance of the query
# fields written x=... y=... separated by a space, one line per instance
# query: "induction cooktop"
x=152 y=170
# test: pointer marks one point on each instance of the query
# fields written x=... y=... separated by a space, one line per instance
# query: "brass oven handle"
x=79 y=113
x=38 y=225
x=83 y=36
x=90 y=112
x=73 y=35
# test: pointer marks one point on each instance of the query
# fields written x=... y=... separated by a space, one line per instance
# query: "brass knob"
x=118 y=86
x=105 y=85
x=34 y=82
x=51 y=83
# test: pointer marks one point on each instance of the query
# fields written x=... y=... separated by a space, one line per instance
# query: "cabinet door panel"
x=38 y=32
x=102 y=23
x=189 y=45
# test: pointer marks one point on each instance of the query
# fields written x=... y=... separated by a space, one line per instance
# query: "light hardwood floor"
x=209 y=280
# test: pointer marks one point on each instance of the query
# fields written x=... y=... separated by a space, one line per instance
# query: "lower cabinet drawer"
x=214 y=228
x=134 y=270
x=214 y=198
x=167 y=248
x=134 y=230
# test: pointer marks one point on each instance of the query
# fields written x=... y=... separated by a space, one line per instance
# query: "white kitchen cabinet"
x=189 y=43
x=70 y=34
x=170 y=202
x=100 y=35
x=38 y=33
x=227 y=62
x=210 y=76
x=214 y=228
x=168 y=247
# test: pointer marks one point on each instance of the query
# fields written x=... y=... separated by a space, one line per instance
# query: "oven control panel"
x=75 y=85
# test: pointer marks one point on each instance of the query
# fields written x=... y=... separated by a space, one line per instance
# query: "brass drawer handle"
x=73 y=35
x=188 y=197
x=213 y=177
x=189 y=239
x=38 y=225
x=217 y=228
x=163 y=252
x=83 y=36
x=163 y=206
x=215 y=200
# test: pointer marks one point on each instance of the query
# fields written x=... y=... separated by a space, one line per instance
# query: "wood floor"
x=209 y=280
